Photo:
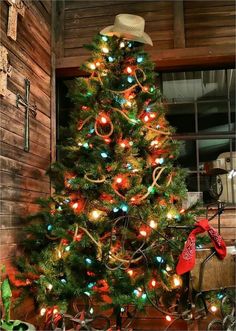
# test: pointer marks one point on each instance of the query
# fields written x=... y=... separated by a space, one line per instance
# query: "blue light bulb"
x=90 y=285
x=87 y=293
x=110 y=59
x=124 y=207
x=91 y=130
x=144 y=296
x=130 y=79
x=49 y=227
x=220 y=295
x=129 y=166
x=159 y=259
x=104 y=38
x=67 y=248
x=104 y=155
x=86 y=145
x=140 y=59
x=63 y=280
x=136 y=292
x=115 y=209
x=89 y=261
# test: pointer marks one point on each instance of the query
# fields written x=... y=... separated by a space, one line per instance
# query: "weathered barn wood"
x=184 y=33
x=23 y=177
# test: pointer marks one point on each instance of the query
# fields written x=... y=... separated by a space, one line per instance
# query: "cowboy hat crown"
x=130 y=27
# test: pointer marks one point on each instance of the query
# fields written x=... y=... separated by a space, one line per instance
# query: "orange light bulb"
x=129 y=70
x=130 y=272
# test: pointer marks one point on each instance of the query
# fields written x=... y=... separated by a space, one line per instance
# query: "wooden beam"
x=166 y=60
x=179 y=32
x=59 y=13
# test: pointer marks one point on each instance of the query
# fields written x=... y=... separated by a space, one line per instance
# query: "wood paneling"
x=82 y=20
x=209 y=23
x=174 y=26
x=23 y=174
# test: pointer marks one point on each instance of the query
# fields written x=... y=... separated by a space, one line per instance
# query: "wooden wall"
x=184 y=32
x=23 y=176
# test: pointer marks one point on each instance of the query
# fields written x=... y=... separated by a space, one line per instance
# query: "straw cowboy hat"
x=130 y=27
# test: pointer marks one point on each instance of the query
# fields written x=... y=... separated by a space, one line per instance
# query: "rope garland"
x=85 y=121
x=102 y=180
x=104 y=135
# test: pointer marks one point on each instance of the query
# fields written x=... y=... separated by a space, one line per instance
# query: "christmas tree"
x=108 y=231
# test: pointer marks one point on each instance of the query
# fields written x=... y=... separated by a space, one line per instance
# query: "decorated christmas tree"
x=108 y=231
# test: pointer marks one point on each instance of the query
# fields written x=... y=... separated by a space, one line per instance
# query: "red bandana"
x=187 y=257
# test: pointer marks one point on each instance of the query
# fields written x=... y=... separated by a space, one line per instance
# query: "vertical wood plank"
x=59 y=12
x=179 y=32
x=53 y=85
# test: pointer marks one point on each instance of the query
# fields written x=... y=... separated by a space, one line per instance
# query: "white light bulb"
x=213 y=308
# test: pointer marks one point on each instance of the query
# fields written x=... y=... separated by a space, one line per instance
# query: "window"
x=201 y=106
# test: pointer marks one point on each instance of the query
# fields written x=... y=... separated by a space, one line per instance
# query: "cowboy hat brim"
x=110 y=31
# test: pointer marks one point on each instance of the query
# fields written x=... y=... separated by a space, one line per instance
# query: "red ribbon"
x=187 y=257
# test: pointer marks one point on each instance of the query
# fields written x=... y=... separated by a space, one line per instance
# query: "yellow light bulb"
x=129 y=70
x=176 y=281
x=92 y=66
x=42 y=311
x=154 y=143
x=168 y=318
x=122 y=44
x=153 y=224
x=49 y=287
x=122 y=145
x=119 y=180
x=168 y=268
x=95 y=214
x=55 y=311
